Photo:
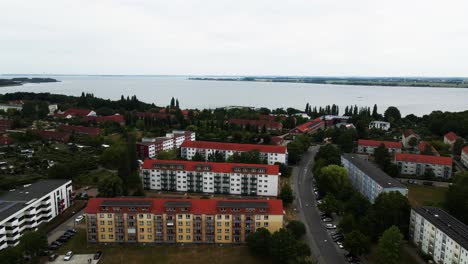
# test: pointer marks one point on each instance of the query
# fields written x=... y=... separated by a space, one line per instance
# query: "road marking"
x=300 y=203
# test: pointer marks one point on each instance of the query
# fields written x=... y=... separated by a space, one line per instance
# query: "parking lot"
x=77 y=259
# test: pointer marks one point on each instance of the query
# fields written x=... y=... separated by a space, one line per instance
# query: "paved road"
x=420 y=182
x=58 y=231
x=321 y=244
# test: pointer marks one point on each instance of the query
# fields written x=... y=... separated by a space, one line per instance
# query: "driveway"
x=70 y=223
x=324 y=249
x=77 y=259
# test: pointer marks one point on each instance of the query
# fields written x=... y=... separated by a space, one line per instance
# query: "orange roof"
x=376 y=143
x=233 y=146
x=422 y=146
x=198 y=206
x=101 y=119
x=451 y=136
x=465 y=149
x=418 y=158
x=310 y=125
x=408 y=132
x=214 y=166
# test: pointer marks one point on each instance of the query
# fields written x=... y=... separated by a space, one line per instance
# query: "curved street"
x=323 y=248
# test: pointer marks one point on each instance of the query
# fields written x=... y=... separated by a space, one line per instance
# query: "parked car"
x=44 y=253
x=97 y=255
x=327 y=219
x=58 y=243
x=53 y=257
x=68 y=256
x=340 y=244
x=79 y=218
x=72 y=230
x=63 y=239
x=337 y=234
x=330 y=226
x=338 y=239
x=53 y=247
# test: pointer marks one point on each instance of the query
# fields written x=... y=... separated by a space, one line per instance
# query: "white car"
x=330 y=226
x=68 y=256
x=79 y=218
x=340 y=244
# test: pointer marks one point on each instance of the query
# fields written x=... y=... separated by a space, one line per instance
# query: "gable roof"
x=310 y=125
x=409 y=132
x=376 y=143
x=451 y=136
x=418 y=158
x=233 y=146
x=75 y=112
x=422 y=146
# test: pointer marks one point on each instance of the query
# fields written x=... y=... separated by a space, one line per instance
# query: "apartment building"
x=381 y=125
x=210 y=177
x=151 y=220
x=368 y=179
x=27 y=207
x=464 y=156
x=368 y=146
x=439 y=235
x=417 y=164
x=272 y=154
x=148 y=148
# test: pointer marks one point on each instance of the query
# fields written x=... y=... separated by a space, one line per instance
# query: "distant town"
x=87 y=179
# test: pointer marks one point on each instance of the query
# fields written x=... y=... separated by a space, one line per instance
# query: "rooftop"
x=451 y=136
x=465 y=149
x=373 y=171
x=418 y=158
x=448 y=224
x=233 y=146
x=408 y=132
x=194 y=206
x=16 y=199
x=376 y=143
x=310 y=125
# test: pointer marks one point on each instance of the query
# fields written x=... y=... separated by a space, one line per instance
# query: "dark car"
x=63 y=239
x=53 y=257
x=71 y=231
x=53 y=247
x=44 y=253
x=58 y=243
x=69 y=235
x=336 y=239
x=97 y=255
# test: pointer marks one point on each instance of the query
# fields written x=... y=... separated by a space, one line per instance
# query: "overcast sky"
x=239 y=37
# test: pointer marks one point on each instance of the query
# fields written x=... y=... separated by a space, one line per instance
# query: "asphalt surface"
x=324 y=249
x=62 y=228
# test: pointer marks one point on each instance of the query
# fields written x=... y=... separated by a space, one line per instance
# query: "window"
x=218 y=223
x=226 y=224
x=265 y=224
x=111 y=236
x=218 y=237
x=148 y=223
x=109 y=222
x=103 y=236
x=109 y=215
x=141 y=222
x=110 y=229
x=187 y=237
x=101 y=222
x=187 y=230
x=142 y=230
x=150 y=237
x=226 y=217
x=103 y=229
x=226 y=237
x=257 y=217
x=149 y=230
x=181 y=230
x=179 y=216
x=218 y=231
x=226 y=231
x=265 y=217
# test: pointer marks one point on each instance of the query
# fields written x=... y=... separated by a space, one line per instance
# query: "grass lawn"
x=422 y=195
x=92 y=178
x=151 y=253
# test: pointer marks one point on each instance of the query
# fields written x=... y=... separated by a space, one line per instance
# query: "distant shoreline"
x=22 y=80
x=400 y=82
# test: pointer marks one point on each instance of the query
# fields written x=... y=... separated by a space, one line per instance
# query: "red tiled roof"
x=258 y=123
x=92 y=131
x=451 y=136
x=422 y=146
x=233 y=146
x=152 y=115
x=310 y=125
x=276 y=140
x=75 y=112
x=5 y=140
x=102 y=119
x=214 y=166
x=198 y=206
x=408 y=132
x=271 y=117
x=376 y=143
x=465 y=149
x=53 y=135
x=417 y=158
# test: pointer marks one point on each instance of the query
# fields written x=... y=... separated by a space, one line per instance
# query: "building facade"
x=381 y=125
x=146 y=220
x=417 y=164
x=408 y=134
x=272 y=154
x=439 y=235
x=450 y=138
x=368 y=179
x=148 y=148
x=464 y=156
x=368 y=146
x=210 y=177
x=27 y=207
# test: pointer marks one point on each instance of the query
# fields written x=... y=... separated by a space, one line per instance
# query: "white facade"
x=464 y=156
x=228 y=182
x=26 y=208
x=370 y=149
x=368 y=179
x=419 y=168
x=379 y=125
x=16 y=107
x=439 y=235
x=270 y=157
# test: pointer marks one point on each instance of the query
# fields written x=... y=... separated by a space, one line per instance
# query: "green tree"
x=356 y=243
x=283 y=247
x=392 y=114
x=456 y=193
x=259 y=242
x=388 y=249
x=217 y=156
x=12 y=255
x=382 y=157
x=375 y=115
x=347 y=223
x=32 y=242
x=198 y=157
x=286 y=194
x=429 y=174
x=110 y=186
x=296 y=228
x=413 y=142
x=329 y=204
x=389 y=209
x=334 y=179
x=458 y=145
x=167 y=155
